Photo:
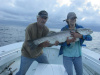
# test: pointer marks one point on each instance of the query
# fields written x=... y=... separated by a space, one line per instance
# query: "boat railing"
x=9 y=53
x=86 y=57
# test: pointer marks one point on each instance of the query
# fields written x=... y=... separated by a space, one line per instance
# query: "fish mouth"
x=91 y=31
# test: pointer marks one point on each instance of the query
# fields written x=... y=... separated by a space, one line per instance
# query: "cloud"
x=87 y=11
x=63 y=2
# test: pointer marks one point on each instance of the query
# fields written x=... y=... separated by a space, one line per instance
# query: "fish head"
x=84 y=31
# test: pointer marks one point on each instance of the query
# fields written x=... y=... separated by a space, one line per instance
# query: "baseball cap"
x=43 y=14
x=71 y=15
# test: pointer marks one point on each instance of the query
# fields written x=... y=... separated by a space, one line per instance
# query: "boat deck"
x=53 y=69
x=10 y=57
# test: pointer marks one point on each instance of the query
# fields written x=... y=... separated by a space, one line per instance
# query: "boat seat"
x=48 y=69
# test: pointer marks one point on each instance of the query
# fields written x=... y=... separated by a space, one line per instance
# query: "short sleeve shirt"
x=32 y=33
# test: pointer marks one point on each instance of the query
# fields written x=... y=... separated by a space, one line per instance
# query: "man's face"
x=41 y=20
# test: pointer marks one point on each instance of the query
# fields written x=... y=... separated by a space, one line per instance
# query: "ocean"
x=14 y=33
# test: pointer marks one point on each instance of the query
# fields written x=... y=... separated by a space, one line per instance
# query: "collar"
x=76 y=26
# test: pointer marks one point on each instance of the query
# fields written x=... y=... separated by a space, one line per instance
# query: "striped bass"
x=61 y=36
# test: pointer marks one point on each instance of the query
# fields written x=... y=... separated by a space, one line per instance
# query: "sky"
x=25 y=11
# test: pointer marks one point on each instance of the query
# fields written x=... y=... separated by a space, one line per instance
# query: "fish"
x=61 y=36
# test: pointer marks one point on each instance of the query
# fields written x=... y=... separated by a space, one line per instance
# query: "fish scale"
x=61 y=36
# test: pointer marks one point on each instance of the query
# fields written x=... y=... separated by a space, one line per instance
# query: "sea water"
x=12 y=33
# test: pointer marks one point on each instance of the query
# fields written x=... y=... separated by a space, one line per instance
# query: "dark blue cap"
x=43 y=13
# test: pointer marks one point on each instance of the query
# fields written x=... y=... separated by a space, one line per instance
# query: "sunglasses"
x=44 y=17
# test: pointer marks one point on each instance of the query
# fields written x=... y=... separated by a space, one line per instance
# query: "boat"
x=10 y=61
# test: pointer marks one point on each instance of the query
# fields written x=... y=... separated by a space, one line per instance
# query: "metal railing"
x=91 y=60
x=16 y=50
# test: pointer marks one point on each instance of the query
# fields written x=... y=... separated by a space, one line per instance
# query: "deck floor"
x=55 y=67
x=49 y=69
x=52 y=69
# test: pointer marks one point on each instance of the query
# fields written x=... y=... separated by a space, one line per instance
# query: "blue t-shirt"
x=74 y=50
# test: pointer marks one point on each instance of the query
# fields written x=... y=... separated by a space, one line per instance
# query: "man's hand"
x=76 y=35
x=56 y=43
x=44 y=44
x=70 y=40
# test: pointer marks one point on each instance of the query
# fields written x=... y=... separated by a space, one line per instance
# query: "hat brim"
x=64 y=20
x=72 y=17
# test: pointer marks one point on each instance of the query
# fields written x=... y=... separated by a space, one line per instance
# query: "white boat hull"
x=10 y=61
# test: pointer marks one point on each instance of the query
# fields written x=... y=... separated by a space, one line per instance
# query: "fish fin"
x=51 y=33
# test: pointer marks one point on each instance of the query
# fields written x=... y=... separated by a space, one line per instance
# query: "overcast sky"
x=87 y=11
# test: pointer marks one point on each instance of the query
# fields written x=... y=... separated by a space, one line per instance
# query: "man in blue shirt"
x=70 y=49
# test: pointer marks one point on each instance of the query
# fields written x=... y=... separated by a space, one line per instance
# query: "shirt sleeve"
x=29 y=38
x=87 y=37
